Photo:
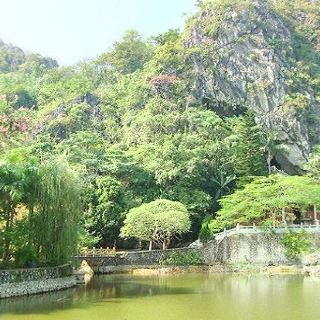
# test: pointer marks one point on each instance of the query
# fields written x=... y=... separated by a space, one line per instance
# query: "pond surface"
x=185 y=297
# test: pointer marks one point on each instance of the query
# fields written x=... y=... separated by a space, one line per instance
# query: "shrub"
x=205 y=233
x=295 y=243
x=183 y=258
x=25 y=257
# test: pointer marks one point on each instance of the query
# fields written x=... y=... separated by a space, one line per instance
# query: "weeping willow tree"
x=55 y=215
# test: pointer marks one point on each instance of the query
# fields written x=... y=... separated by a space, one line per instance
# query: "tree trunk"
x=6 y=249
x=150 y=245
x=269 y=162
x=168 y=242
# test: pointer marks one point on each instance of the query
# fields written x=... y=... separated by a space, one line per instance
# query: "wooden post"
x=238 y=228
x=150 y=245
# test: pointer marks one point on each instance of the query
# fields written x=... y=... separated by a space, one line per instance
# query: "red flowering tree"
x=162 y=84
x=14 y=124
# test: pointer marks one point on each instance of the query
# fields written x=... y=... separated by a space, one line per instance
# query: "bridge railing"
x=257 y=229
x=97 y=252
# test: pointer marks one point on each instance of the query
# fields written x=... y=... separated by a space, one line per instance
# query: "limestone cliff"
x=247 y=55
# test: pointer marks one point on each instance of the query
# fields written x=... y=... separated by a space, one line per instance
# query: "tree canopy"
x=39 y=210
x=157 y=221
x=263 y=200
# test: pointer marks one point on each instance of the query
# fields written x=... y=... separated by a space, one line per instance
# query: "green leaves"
x=264 y=198
x=128 y=55
x=56 y=210
x=313 y=167
x=187 y=258
x=46 y=196
x=296 y=243
x=106 y=210
x=156 y=221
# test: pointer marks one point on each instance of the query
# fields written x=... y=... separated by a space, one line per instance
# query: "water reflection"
x=100 y=288
x=191 y=296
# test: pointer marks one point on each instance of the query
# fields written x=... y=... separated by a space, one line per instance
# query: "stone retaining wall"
x=260 y=249
x=256 y=248
x=30 y=281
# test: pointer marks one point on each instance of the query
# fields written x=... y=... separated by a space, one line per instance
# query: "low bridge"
x=107 y=261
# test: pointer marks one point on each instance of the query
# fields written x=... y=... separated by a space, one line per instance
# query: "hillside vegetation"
x=185 y=116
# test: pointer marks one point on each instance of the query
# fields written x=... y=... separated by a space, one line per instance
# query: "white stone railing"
x=259 y=229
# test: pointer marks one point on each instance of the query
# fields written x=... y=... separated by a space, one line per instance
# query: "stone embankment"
x=30 y=281
x=236 y=252
x=260 y=248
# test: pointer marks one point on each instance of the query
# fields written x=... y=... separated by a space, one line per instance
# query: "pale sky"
x=72 y=30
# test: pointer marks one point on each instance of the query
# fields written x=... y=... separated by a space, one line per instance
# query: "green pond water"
x=175 y=297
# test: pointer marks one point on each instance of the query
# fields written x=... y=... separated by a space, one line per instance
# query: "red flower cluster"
x=163 y=79
x=12 y=122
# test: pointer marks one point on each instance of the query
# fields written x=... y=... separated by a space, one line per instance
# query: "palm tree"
x=223 y=184
x=13 y=182
x=272 y=146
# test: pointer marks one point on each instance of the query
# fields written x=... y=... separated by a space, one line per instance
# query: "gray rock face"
x=248 y=58
x=90 y=110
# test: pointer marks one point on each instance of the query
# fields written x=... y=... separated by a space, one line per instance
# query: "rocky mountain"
x=249 y=55
x=234 y=57
x=12 y=58
x=188 y=116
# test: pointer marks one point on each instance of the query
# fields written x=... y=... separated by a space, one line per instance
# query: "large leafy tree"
x=127 y=55
x=264 y=199
x=106 y=210
x=248 y=148
x=157 y=221
x=55 y=211
x=14 y=183
x=39 y=203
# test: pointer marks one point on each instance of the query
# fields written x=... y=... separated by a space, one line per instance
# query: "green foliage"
x=56 y=211
x=63 y=84
x=87 y=239
x=157 y=221
x=178 y=258
x=20 y=236
x=264 y=198
x=134 y=128
x=205 y=233
x=107 y=209
x=306 y=26
x=10 y=57
x=128 y=55
x=313 y=166
x=249 y=154
x=296 y=243
x=39 y=210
